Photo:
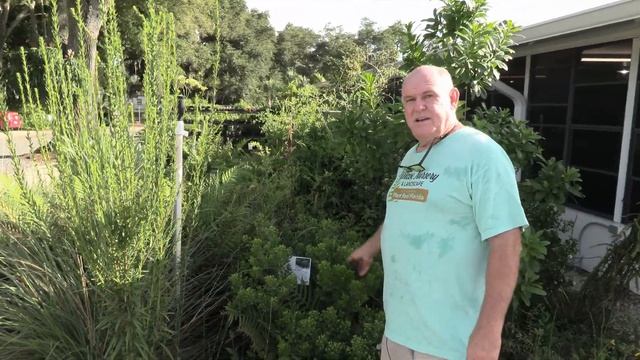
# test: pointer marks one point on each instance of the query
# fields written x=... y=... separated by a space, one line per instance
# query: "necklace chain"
x=440 y=138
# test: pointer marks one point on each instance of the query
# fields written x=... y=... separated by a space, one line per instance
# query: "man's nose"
x=422 y=104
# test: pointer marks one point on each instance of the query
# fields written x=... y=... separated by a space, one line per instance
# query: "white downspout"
x=519 y=106
x=519 y=102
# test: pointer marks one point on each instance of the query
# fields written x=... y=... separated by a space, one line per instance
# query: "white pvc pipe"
x=177 y=217
x=519 y=102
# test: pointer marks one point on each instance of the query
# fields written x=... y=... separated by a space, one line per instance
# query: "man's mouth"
x=421 y=119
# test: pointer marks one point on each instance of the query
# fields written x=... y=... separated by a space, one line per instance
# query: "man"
x=450 y=240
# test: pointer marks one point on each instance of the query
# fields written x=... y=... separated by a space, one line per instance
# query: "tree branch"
x=5 y=6
x=16 y=22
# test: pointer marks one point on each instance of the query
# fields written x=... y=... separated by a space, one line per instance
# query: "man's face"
x=429 y=103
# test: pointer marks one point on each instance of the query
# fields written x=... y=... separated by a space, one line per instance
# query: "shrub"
x=87 y=269
x=339 y=167
x=334 y=317
x=459 y=38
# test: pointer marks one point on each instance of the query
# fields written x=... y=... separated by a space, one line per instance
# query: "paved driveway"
x=21 y=139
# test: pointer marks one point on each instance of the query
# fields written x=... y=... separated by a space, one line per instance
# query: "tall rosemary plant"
x=86 y=270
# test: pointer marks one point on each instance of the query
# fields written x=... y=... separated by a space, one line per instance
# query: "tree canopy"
x=233 y=51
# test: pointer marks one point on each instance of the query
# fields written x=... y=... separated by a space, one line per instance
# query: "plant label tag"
x=301 y=267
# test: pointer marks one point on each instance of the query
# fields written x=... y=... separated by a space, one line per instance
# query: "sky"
x=315 y=14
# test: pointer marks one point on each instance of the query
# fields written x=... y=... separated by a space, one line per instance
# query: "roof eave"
x=612 y=13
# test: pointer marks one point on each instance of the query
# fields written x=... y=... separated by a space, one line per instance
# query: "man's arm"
x=363 y=256
x=502 y=274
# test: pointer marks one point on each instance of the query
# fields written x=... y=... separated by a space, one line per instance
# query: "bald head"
x=439 y=76
x=429 y=102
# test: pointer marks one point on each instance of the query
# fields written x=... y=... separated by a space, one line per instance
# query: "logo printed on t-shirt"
x=419 y=195
x=410 y=186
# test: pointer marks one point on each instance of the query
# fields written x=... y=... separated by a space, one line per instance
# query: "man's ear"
x=454 y=96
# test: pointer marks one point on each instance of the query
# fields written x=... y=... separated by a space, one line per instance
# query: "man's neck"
x=448 y=131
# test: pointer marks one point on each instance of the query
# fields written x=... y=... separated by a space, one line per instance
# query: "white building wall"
x=594 y=236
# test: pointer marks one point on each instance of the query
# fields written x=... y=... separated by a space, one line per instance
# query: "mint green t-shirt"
x=433 y=240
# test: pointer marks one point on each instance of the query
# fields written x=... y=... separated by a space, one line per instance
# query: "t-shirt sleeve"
x=494 y=192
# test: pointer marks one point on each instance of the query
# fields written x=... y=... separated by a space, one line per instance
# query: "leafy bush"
x=9 y=199
x=459 y=38
x=250 y=220
x=87 y=268
x=299 y=110
x=340 y=166
x=347 y=163
x=334 y=317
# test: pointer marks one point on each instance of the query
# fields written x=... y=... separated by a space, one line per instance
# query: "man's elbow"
x=509 y=242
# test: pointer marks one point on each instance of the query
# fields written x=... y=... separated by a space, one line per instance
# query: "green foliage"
x=247 y=47
x=279 y=203
x=517 y=139
x=348 y=163
x=190 y=86
x=87 y=267
x=331 y=318
x=376 y=40
x=206 y=29
x=556 y=183
x=331 y=51
x=224 y=37
x=341 y=58
x=242 y=198
x=368 y=94
x=543 y=198
x=294 y=47
x=548 y=336
x=534 y=250
x=130 y=20
x=459 y=38
x=9 y=199
x=3 y=96
x=197 y=36
x=17 y=60
x=299 y=111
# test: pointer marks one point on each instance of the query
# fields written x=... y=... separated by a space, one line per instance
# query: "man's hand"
x=484 y=345
x=362 y=257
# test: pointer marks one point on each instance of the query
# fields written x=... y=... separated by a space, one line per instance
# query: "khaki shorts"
x=390 y=350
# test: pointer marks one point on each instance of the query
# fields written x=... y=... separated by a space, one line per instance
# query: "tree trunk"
x=44 y=23
x=91 y=17
x=64 y=16
x=5 y=6
x=73 y=30
x=33 y=36
x=7 y=28
x=93 y=24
